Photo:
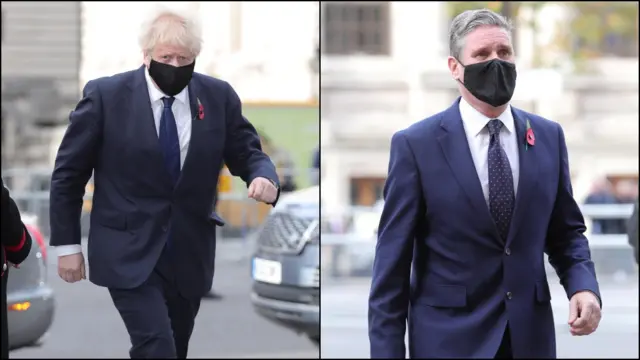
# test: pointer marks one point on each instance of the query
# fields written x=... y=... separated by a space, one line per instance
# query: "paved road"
x=344 y=322
x=87 y=324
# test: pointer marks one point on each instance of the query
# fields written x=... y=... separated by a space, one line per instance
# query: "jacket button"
x=4 y=267
x=507 y=251
x=509 y=295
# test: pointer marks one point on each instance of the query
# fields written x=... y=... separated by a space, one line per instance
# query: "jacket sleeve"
x=389 y=293
x=16 y=240
x=243 y=152
x=566 y=244
x=75 y=161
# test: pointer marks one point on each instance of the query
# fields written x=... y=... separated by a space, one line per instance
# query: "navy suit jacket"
x=135 y=205
x=440 y=265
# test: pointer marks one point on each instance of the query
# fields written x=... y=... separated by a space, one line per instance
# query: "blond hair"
x=171 y=27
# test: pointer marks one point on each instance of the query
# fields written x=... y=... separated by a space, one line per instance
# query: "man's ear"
x=146 y=58
x=454 y=67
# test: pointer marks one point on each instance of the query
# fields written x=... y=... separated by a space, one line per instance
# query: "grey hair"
x=470 y=20
x=171 y=27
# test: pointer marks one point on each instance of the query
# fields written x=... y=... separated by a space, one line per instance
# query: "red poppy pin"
x=200 y=110
x=530 y=136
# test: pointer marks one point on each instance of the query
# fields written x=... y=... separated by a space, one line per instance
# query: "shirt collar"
x=475 y=121
x=155 y=94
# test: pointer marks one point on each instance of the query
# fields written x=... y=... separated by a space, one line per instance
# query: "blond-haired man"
x=155 y=139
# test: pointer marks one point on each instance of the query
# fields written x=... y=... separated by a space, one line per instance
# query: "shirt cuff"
x=64 y=250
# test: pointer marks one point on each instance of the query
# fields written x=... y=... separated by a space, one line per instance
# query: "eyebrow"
x=490 y=48
x=173 y=54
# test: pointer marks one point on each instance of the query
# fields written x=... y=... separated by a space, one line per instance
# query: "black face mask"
x=171 y=79
x=492 y=82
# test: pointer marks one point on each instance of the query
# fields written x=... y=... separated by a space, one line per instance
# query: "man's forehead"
x=168 y=49
x=486 y=36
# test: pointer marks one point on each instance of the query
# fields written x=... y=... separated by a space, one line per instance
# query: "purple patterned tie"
x=501 y=194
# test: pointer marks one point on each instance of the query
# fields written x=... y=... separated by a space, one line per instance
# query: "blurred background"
x=268 y=51
x=384 y=67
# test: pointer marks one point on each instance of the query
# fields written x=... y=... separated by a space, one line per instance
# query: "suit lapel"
x=528 y=177
x=144 y=122
x=455 y=147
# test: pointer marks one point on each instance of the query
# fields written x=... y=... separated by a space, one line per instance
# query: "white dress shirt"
x=475 y=127
x=181 y=112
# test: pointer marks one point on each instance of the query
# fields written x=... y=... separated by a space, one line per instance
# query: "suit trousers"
x=158 y=318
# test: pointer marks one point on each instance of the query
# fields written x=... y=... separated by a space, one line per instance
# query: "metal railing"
x=350 y=252
x=608 y=211
x=30 y=189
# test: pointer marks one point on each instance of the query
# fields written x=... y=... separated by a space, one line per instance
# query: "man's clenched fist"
x=584 y=313
x=263 y=190
x=71 y=267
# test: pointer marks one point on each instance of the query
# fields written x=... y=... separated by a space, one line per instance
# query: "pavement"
x=344 y=321
x=87 y=325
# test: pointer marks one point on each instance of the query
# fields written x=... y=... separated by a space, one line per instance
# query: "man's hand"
x=584 y=313
x=262 y=189
x=71 y=267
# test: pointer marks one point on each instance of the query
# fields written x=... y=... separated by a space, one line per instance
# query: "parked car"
x=30 y=300
x=285 y=266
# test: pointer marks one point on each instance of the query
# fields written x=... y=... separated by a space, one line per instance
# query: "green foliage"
x=585 y=32
x=592 y=21
x=584 y=36
x=457 y=7
x=287 y=129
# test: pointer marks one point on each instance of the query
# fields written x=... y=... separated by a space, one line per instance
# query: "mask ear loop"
x=463 y=66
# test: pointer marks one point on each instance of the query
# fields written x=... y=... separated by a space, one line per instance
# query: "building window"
x=352 y=28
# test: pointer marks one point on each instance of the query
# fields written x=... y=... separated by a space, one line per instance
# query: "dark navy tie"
x=501 y=194
x=169 y=142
